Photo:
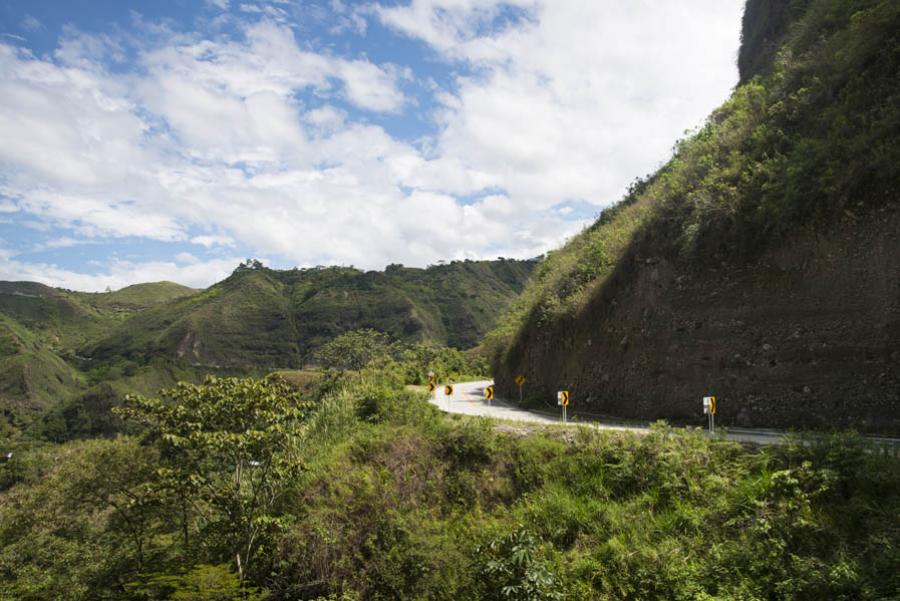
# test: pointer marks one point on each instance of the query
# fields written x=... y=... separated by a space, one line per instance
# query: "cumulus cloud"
x=254 y=139
x=570 y=99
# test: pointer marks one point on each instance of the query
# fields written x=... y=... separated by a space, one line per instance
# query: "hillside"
x=367 y=491
x=32 y=377
x=65 y=318
x=138 y=296
x=68 y=356
x=41 y=329
x=260 y=317
x=761 y=264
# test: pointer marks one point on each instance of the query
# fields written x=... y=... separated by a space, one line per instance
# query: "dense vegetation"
x=344 y=483
x=359 y=489
x=41 y=332
x=267 y=318
x=807 y=145
x=67 y=357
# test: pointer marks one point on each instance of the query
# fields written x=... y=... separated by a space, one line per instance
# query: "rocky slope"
x=761 y=265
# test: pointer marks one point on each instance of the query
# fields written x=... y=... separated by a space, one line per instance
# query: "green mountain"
x=31 y=375
x=265 y=318
x=66 y=356
x=761 y=264
x=41 y=329
x=65 y=319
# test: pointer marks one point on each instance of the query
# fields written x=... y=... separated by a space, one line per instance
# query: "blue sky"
x=170 y=140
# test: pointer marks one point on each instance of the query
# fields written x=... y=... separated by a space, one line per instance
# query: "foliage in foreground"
x=379 y=496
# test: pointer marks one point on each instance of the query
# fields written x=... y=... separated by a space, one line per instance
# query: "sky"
x=170 y=140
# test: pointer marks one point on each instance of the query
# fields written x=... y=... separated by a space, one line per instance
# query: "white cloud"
x=267 y=60
x=575 y=100
x=60 y=242
x=209 y=134
x=186 y=257
x=369 y=86
x=118 y=274
x=447 y=25
x=278 y=15
x=211 y=241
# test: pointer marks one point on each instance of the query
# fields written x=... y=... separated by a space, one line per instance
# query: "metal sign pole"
x=562 y=399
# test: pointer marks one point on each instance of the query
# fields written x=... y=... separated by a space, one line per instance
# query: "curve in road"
x=468 y=399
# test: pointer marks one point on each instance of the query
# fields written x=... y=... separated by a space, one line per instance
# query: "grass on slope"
x=32 y=377
x=397 y=501
x=277 y=319
x=41 y=329
x=812 y=139
x=138 y=296
x=65 y=319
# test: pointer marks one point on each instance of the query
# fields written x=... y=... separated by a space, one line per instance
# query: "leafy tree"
x=352 y=350
x=201 y=583
x=227 y=450
x=81 y=520
x=511 y=569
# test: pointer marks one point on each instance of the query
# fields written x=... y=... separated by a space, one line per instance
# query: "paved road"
x=468 y=399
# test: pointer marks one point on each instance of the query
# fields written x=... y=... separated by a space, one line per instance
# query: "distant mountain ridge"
x=57 y=343
x=268 y=318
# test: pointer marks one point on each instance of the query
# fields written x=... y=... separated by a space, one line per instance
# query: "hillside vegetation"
x=359 y=489
x=761 y=264
x=261 y=317
x=41 y=330
x=67 y=357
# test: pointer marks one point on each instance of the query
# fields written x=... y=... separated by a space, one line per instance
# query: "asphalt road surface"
x=468 y=399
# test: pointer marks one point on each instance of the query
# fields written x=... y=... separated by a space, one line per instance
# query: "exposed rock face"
x=764 y=24
x=808 y=335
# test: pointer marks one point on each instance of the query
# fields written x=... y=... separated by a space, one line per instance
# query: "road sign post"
x=709 y=408
x=520 y=380
x=489 y=394
x=562 y=399
x=448 y=390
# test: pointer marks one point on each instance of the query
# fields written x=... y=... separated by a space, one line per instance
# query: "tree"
x=352 y=350
x=511 y=569
x=201 y=583
x=227 y=453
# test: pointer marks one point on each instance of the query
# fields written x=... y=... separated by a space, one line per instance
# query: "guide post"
x=489 y=394
x=709 y=408
x=562 y=399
